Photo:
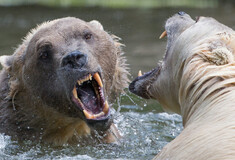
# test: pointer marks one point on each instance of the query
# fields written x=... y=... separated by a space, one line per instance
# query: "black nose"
x=74 y=59
x=181 y=13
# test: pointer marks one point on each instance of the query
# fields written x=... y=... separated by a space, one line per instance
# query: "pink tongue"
x=87 y=95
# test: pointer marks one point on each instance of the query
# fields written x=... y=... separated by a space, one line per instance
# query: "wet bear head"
x=69 y=66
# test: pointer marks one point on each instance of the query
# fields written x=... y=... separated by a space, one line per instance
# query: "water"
x=144 y=126
x=141 y=140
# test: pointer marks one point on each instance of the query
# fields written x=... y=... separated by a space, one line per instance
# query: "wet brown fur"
x=26 y=112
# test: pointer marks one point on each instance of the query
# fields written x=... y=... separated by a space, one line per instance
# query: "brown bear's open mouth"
x=88 y=95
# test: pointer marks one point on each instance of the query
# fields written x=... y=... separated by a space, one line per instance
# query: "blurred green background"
x=119 y=3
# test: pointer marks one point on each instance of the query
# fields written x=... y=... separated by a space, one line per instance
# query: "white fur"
x=198 y=82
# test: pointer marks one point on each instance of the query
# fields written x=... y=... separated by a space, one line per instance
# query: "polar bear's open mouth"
x=88 y=95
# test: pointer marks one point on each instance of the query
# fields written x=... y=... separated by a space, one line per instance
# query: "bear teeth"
x=75 y=93
x=140 y=73
x=94 y=116
x=96 y=76
x=106 y=107
x=164 y=34
x=89 y=77
x=99 y=93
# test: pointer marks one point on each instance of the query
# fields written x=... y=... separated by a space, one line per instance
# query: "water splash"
x=131 y=99
x=3 y=141
x=144 y=135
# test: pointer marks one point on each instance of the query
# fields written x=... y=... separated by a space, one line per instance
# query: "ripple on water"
x=144 y=135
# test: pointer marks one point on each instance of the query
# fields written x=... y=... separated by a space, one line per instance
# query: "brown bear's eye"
x=43 y=55
x=45 y=51
x=88 y=36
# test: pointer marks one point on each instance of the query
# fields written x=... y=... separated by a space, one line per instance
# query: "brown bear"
x=197 y=80
x=58 y=85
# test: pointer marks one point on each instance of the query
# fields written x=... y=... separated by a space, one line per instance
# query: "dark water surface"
x=144 y=127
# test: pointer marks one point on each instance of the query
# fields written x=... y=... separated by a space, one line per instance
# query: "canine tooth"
x=98 y=80
x=90 y=77
x=163 y=35
x=106 y=107
x=75 y=93
x=88 y=115
x=139 y=73
x=99 y=114
x=84 y=80
x=87 y=78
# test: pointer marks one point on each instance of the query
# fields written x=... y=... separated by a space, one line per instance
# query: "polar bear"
x=196 y=79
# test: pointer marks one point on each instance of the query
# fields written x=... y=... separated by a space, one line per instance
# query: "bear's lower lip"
x=88 y=96
x=142 y=83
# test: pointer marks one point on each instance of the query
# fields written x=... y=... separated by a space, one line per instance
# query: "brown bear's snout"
x=75 y=60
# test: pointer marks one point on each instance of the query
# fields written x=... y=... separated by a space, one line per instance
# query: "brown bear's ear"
x=6 y=61
x=96 y=24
